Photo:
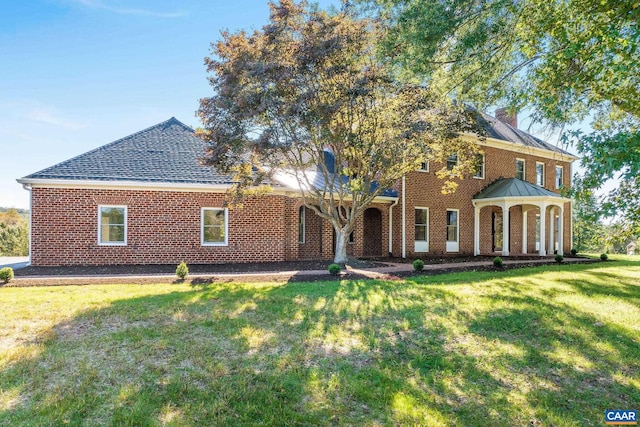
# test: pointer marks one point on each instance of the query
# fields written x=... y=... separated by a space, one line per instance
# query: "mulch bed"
x=203 y=275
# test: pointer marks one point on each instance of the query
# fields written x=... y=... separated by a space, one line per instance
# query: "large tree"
x=309 y=82
x=566 y=61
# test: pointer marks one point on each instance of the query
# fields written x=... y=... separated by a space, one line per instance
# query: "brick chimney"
x=504 y=117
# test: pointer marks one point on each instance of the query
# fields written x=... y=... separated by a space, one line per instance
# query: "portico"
x=512 y=192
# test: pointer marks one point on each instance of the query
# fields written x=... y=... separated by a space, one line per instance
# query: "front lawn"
x=554 y=345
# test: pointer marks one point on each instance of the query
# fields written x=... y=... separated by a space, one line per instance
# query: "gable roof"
x=505 y=132
x=167 y=152
x=513 y=187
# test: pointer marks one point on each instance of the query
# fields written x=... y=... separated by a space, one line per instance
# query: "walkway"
x=14 y=262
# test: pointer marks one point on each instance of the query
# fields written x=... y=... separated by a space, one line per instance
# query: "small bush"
x=6 y=274
x=182 y=271
x=497 y=262
x=418 y=265
x=559 y=258
x=574 y=251
x=604 y=257
x=334 y=269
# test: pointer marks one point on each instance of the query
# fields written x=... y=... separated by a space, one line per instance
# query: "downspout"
x=28 y=188
x=404 y=219
x=391 y=226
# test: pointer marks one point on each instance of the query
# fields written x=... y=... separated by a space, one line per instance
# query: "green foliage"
x=497 y=262
x=604 y=257
x=182 y=271
x=334 y=269
x=14 y=233
x=574 y=252
x=311 y=81
x=559 y=258
x=564 y=61
x=589 y=233
x=418 y=265
x=6 y=274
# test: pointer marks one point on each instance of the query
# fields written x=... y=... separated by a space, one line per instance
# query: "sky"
x=78 y=74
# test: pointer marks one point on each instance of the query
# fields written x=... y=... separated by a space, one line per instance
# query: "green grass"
x=555 y=345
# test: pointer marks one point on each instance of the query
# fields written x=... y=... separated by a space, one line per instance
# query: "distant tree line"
x=14 y=232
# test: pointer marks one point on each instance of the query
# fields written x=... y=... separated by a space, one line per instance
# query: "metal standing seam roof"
x=513 y=187
x=168 y=152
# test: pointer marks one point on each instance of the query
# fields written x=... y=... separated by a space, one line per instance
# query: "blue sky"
x=77 y=74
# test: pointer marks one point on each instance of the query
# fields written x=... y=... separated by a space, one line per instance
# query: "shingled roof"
x=167 y=152
x=513 y=188
x=505 y=132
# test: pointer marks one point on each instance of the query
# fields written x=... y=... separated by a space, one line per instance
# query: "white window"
x=302 y=219
x=537 y=232
x=452 y=230
x=520 y=171
x=452 y=161
x=424 y=167
x=540 y=174
x=479 y=170
x=112 y=225
x=559 y=180
x=214 y=226
x=422 y=230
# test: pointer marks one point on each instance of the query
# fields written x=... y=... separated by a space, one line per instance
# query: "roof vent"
x=507 y=118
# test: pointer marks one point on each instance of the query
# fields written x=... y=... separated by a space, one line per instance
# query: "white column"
x=552 y=226
x=543 y=226
x=524 y=230
x=476 y=230
x=561 y=231
x=505 y=230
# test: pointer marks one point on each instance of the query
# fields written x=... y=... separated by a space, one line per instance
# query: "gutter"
x=404 y=218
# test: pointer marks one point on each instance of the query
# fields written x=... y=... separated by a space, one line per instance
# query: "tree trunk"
x=340 y=256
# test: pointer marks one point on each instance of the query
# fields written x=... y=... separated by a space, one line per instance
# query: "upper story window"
x=520 y=172
x=452 y=161
x=479 y=167
x=540 y=174
x=214 y=226
x=424 y=167
x=112 y=227
x=559 y=177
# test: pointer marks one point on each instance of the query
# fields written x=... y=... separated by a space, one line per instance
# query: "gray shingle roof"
x=167 y=152
x=513 y=187
x=499 y=130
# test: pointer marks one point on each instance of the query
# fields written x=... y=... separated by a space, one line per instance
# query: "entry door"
x=452 y=231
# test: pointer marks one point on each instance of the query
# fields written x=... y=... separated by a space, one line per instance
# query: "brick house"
x=144 y=199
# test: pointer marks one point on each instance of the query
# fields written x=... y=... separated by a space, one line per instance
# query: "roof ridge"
x=171 y=120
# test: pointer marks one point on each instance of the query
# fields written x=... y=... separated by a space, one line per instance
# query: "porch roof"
x=513 y=188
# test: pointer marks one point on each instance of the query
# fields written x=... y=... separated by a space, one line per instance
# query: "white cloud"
x=97 y=4
x=48 y=116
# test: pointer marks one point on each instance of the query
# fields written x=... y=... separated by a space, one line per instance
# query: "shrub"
x=559 y=258
x=497 y=262
x=6 y=274
x=334 y=269
x=418 y=265
x=182 y=271
x=574 y=251
x=604 y=257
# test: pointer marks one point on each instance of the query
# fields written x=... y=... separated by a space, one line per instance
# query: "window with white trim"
x=520 y=171
x=453 y=231
x=452 y=161
x=301 y=224
x=559 y=177
x=214 y=226
x=424 y=167
x=112 y=225
x=421 y=229
x=540 y=174
x=479 y=166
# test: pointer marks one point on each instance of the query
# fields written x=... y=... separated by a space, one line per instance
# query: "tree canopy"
x=312 y=81
x=14 y=233
x=566 y=61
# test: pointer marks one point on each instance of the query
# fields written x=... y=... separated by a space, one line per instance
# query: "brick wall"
x=423 y=189
x=163 y=228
